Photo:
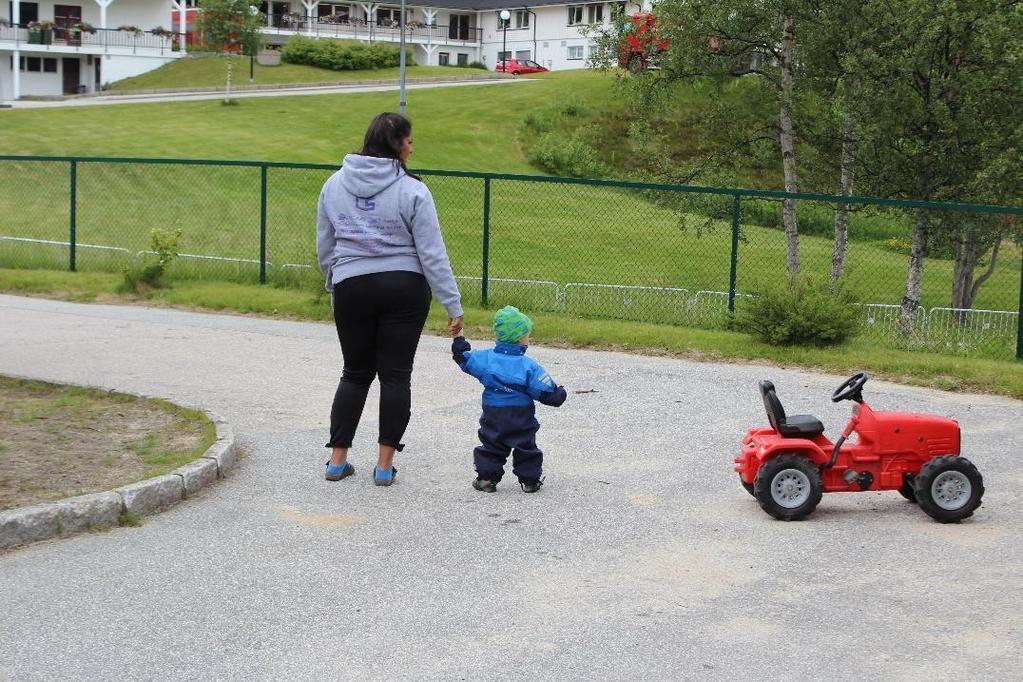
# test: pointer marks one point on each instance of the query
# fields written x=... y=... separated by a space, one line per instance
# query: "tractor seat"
x=794 y=426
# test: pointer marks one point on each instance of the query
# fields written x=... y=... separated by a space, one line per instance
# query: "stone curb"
x=102 y=510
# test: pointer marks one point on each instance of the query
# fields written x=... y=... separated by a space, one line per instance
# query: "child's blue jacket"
x=509 y=378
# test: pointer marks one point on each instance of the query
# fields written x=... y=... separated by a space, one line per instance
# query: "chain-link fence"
x=591 y=248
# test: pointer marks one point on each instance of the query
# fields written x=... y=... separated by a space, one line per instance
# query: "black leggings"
x=379 y=319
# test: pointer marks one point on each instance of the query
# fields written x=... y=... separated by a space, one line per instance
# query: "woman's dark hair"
x=385 y=135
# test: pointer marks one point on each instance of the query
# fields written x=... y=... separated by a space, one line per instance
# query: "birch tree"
x=229 y=26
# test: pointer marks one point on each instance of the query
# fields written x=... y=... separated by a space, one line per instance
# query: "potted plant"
x=85 y=27
x=161 y=32
x=40 y=32
x=128 y=28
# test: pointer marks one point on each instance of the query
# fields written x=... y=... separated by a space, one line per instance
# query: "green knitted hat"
x=510 y=324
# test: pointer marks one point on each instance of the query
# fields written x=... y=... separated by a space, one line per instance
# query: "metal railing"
x=35 y=38
x=668 y=254
x=382 y=29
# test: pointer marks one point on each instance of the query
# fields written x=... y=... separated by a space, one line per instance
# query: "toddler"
x=511 y=382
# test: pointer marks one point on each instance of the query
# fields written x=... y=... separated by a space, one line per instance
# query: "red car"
x=519 y=66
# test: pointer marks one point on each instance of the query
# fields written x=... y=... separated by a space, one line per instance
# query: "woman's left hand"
x=455 y=325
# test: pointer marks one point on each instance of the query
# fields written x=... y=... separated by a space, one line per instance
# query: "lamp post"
x=505 y=16
x=253 y=11
x=401 y=63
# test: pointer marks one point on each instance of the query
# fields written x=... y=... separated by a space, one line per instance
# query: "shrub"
x=149 y=271
x=802 y=312
x=338 y=55
x=569 y=157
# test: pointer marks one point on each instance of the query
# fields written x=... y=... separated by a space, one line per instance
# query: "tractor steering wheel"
x=851 y=388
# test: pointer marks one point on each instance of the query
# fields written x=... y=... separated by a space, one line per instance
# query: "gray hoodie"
x=373 y=217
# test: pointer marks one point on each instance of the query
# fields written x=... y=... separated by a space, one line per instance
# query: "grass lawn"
x=60 y=441
x=211 y=72
x=539 y=231
x=916 y=368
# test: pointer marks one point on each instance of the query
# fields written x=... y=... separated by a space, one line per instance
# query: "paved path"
x=243 y=94
x=641 y=559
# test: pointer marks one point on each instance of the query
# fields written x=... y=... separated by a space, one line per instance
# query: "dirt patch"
x=60 y=441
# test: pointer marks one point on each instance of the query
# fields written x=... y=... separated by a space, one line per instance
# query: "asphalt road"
x=151 y=98
x=641 y=558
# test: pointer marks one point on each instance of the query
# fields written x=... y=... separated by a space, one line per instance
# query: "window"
x=501 y=23
x=463 y=59
x=389 y=16
x=49 y=65
x=521 y=19
x=458 y=27
x=29 y=12
x=594 y=14
x=501 y=56
x=523 y=55
x=575 y=52
x=331 y=13
x=575 y=15
x=31 y=64
x=443 y=58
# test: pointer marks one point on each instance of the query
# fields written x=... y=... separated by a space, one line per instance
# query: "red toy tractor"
x=789 y=465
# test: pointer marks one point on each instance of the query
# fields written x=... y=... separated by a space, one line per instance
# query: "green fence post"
x=262 y=224
x=735 y=255
x=74 y=215
x=486 y=238
x=1019 y=317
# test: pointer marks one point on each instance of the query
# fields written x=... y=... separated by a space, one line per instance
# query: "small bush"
x=803 y=312
x=149 y=271
x=339 y=55
x=536 y=122
x=570 y=157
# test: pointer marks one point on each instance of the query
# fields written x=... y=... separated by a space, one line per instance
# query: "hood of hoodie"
x=368 y=176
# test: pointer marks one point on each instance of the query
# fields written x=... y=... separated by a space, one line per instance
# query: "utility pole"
x=401 y=63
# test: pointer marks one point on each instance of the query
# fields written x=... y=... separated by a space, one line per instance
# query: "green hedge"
x=343 y=55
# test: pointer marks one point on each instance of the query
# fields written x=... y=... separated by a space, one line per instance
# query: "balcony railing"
x=97 y=38
x=331 y=26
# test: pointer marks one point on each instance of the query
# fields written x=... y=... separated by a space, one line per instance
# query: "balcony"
x=383 y=30
x=68 y=40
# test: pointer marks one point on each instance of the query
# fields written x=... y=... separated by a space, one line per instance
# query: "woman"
x=380 y=248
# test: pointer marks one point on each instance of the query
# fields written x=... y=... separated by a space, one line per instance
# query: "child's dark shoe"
x=381 y=477
x=338 y=471
x=530 y=485
x=484 y=486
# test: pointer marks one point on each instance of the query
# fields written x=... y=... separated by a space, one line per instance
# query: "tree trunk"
x=787 y=142
x=842 y=210
x=964 y=287
x=227 y=92
x=915 y=277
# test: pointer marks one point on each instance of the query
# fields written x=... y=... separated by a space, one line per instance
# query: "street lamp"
x=253 y=11
x=505 y=16
x=401 y=63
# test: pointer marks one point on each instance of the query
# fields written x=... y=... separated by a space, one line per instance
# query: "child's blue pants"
x=505 y=430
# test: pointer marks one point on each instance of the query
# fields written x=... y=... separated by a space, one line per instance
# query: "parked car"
x=519 y=66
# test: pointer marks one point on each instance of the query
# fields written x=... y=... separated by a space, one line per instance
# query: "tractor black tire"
x=788 y=487
x=949 y=488
x=907 y=490
x=748 y=487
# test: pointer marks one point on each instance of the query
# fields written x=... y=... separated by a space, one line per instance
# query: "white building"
x=53 y=49
x=454 y=31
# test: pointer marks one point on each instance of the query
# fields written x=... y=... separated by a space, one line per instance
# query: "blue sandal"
x=384 y=477
x=336 y=473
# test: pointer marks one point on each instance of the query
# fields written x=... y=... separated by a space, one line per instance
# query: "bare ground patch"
x=59 y=441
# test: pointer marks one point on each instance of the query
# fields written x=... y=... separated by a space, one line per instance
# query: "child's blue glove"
x=459 y=347
x=554 y=398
